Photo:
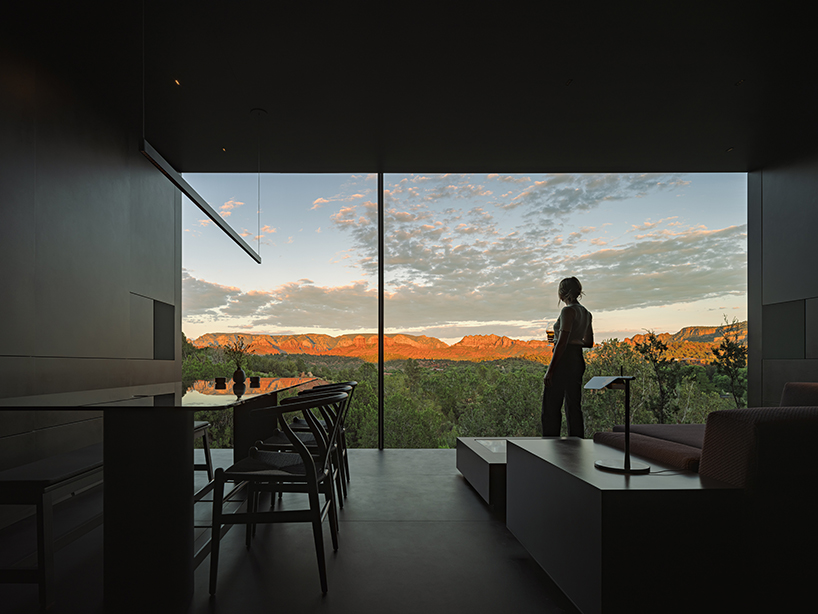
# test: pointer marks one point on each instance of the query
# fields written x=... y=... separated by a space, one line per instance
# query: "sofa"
x=688 y=446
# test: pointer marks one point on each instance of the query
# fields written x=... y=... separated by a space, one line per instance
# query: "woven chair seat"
x=279 y=438
x=273 y=464
x=300 y=422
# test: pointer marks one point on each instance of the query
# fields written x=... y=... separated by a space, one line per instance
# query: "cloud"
x=560 y=195
x=226 y=210
x=664 y=270
x=502 y=280
x=303 y=304
x=470 y=258
x=246 y=304
x=447 y=265
x=204 y=297
x=321 y=201
x=509 y=178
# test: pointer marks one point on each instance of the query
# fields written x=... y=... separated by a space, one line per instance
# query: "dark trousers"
x=566 y=385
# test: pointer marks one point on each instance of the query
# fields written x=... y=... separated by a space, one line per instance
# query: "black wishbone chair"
x=342 y=438
x=279 y=441
x=299 y=471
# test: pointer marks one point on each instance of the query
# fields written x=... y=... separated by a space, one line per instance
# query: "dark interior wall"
x=90 y=239
x=783 y=296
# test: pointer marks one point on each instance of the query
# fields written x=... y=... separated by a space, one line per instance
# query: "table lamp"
x=619 y=382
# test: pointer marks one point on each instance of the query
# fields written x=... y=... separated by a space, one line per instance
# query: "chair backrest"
x=348 y=387
x=799 y=394
x=324 y=390
x=325 y=387
x=330 y=406
x=762 y=449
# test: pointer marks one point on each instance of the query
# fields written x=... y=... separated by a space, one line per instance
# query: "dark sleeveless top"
x=582 y=320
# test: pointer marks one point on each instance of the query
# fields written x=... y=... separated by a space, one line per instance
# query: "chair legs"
x=318 y=536
x=344 y=454
x=316 y=518
x=252 y=506
x=215 y=538
x=201 y=429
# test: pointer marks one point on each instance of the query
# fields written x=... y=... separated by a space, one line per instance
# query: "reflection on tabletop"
x=205 y=393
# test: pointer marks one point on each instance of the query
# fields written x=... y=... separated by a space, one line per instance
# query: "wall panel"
x=82 y=230
x=790 y=218
x=153 y=230
x=783 y=289
x=17 y=180
x=87 y=221
x=783 y=330
x=811 y=328
x=755 y=279
x=141 y=336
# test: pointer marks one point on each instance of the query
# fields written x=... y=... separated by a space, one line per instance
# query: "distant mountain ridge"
x=696 y=339
x=697 y=334
x=396 y=346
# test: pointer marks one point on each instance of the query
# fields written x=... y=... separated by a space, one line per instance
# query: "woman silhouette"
x=563 y=379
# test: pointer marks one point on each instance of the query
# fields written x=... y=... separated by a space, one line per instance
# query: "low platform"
x=667 y=541
x=482 y=461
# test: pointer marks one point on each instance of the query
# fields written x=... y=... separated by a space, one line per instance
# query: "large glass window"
x=310 y=307
x=473 y=263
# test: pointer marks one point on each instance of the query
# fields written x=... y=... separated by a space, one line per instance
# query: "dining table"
x=243 y=399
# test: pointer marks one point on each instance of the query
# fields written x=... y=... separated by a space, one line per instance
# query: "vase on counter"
x=239 y=376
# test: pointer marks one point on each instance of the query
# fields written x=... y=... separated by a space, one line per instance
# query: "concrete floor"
x=414 y=537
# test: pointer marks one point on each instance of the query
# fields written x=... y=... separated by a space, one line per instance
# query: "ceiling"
x=354 y=87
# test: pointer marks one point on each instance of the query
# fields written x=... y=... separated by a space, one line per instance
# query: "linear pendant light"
x=163 y=165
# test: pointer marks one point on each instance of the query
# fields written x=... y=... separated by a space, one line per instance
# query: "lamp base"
x=619 y=467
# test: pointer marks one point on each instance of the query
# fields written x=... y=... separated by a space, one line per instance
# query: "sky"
x=466 y=254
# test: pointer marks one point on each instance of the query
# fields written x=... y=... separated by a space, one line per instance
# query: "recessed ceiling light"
x=223 y=149
x=177 y=82
x=729 y=149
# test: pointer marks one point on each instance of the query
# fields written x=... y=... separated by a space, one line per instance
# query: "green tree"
x=221 y=427
x=409 y=424
x=665 y=370
x=188 y=349
x=236 y=351
x=362 y=420
x=502 y=400
x=602 y=409
x=413 y=373
x=731 y=360
x=692 y=401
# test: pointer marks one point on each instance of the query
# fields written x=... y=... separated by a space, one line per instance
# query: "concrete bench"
x=45 y=483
